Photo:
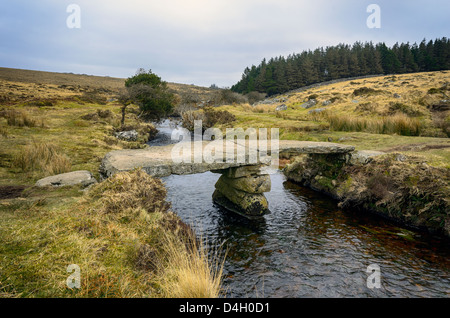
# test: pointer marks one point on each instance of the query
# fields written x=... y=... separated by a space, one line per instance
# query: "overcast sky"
x=200 y=42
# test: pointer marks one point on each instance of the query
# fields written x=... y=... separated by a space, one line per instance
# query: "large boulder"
x=310 y=103
x=246 y=204
x=84 y=178
x=281 y=108
x=364 y=156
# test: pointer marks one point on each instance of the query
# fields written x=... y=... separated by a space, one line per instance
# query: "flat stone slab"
x=191 y=159
x=310 y=147
x=84 y=178
x=364 y=156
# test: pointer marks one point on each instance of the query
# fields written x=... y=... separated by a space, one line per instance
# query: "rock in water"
x=240 y=190
x=251 y=206
x=254 y=184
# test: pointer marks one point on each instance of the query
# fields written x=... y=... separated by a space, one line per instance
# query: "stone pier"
x=241 y=190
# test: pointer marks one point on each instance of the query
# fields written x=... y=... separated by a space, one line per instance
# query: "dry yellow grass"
x=191 y=273
x=398 y=124
x=42 y=156
x=19 y=86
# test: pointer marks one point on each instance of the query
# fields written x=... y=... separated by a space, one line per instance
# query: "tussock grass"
x=135 y=191
x=190 y=273
x=180 y=262
x=20 y=118
x=398 y=124
x=4 y=132
x=42 y=156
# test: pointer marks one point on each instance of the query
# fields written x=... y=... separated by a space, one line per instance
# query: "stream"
x=308 y=247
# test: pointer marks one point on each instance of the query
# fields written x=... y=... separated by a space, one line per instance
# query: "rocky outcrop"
x=84 y=178
x=364 y=156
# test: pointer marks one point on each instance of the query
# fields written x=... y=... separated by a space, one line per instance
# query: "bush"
x=189 y=118
x=41 y=103
x=220 y=117
x=150 y=93
x=365 y=91
x=209 y=117
x=228 y=97
x=313 y=96
x=405 y=109
x=254 y=97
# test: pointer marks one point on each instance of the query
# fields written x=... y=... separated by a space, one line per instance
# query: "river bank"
x=398 y=187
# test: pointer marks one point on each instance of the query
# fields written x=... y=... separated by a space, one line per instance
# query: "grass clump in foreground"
x=121 y=234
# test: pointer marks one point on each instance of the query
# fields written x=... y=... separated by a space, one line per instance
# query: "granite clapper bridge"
x=244 y=179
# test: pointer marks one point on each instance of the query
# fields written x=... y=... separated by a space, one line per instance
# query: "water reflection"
x=307 y=247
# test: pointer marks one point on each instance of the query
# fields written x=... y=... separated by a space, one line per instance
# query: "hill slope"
x=408 y=113
x=17 y=85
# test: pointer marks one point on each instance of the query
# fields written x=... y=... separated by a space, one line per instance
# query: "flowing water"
x=308 y=247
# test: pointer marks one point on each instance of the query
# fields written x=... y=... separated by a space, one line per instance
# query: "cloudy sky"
x=200 y=42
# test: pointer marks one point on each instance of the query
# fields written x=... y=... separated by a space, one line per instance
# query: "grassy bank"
x=121 y=232
x=401 y=188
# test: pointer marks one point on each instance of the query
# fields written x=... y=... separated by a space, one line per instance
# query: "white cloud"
x=201 y=41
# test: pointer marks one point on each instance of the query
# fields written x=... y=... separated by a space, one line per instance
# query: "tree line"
x=281 y=74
